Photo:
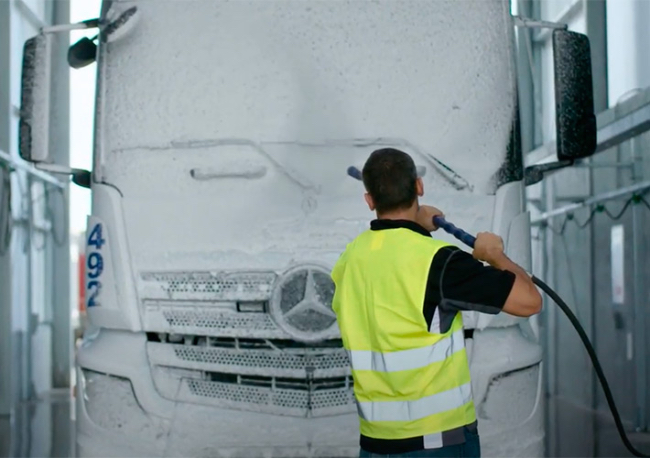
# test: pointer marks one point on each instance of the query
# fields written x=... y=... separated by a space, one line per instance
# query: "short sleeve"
x=458 y=282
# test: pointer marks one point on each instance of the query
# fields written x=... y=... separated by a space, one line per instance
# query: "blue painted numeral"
x=95 y=237
x=93 y=291
x=95 y=264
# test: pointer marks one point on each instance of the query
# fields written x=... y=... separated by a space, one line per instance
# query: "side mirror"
x=574 y=96
x=575 y=120
x=82 y=53
x=34 y=124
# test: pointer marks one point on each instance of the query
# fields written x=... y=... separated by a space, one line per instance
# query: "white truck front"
x=221 y=201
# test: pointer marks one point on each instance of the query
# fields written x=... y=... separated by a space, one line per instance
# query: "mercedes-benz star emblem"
x=302 y=303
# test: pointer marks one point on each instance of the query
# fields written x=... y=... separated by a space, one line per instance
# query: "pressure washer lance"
x=470 y=240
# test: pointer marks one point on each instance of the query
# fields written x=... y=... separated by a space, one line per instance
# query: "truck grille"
x=296 y=397
x=208 y=286
x=206 y=319
x=273 y=376
x=230 y=340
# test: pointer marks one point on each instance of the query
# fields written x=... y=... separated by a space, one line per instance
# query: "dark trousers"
x=470 y=449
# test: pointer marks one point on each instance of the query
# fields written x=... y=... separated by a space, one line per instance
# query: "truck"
x=220 y=202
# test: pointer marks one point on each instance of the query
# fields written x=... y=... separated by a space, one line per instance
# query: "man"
x=398 y=298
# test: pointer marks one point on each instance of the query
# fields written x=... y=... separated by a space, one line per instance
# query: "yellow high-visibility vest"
x=408 y=382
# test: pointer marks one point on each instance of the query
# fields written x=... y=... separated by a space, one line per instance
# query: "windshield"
x=251 y=112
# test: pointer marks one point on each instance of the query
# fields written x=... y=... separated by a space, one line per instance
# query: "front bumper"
x=506 y=377
x=123 y=415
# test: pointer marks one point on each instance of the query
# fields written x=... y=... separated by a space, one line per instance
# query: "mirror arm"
x=80 y=177
x=535 y=173
x=521 y=21
x=91 y=23
x=87 y=24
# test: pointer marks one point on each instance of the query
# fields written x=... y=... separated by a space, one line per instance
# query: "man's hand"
x=424 y=217
x=488 y=247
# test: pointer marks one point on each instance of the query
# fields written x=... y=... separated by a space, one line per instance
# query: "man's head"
x=391 y=181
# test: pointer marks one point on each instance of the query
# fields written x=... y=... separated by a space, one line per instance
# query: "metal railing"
x=34 y=172
x=624 y=135
x=615 y=126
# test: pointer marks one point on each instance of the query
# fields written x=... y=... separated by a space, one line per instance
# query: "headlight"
x=111 y=404
x=512 y=397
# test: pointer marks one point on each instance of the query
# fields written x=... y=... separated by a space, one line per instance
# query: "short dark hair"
x=389 y=176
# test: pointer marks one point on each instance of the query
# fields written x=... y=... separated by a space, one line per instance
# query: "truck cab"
x=220 y=202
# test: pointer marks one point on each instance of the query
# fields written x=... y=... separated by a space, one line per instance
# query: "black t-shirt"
x=457 y=282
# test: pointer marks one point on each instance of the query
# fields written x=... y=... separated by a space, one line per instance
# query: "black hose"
x=469 y=240
x=594 y=360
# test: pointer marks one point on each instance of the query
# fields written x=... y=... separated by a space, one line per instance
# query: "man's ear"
x=419 y=187
x=370 y=202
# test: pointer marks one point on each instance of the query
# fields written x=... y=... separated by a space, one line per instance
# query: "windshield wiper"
x=450 y=175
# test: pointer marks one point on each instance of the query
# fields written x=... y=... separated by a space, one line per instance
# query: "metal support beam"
x=30 y=14
x=605 y=165
x=640 y=309
x=525 y=81
x=637 y=188
x=624 y=128
x=6 y=387
x=596 y=19
x=46 y=177
x=613 y=129
x=60 y=150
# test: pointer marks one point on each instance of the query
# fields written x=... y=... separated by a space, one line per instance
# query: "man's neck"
x=408 y=214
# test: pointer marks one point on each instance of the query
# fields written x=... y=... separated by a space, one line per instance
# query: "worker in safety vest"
x=398 y=298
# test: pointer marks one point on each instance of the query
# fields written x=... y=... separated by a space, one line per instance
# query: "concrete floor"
x=41 y=428
x=45 y=428
x=581 y=432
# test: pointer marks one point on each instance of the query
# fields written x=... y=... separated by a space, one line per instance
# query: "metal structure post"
x=639 y=305
x=5 y=260
x=525 y=80
x=596 y=20
x=58 y=201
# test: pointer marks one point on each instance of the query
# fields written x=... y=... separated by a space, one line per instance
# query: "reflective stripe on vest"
x=418 y=409
x=365 y=360
x=409 y=380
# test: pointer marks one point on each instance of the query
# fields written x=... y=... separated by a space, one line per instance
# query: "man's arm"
x=459 y=282
x=524 y=300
